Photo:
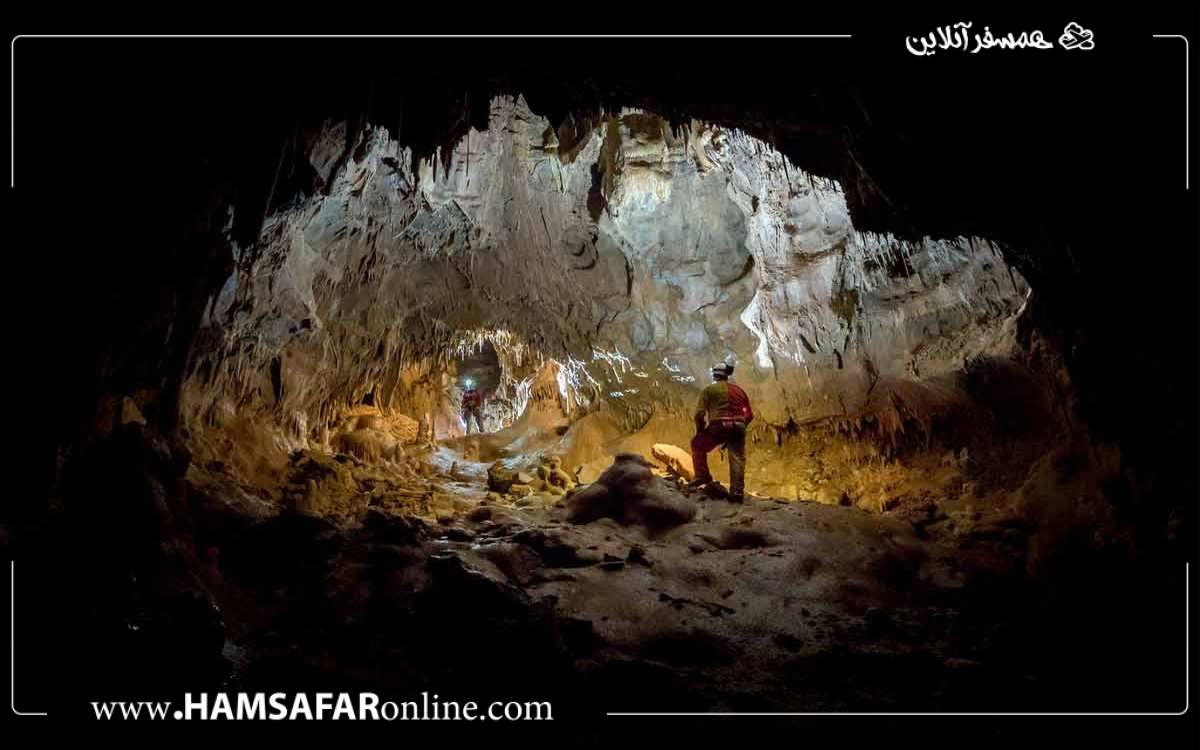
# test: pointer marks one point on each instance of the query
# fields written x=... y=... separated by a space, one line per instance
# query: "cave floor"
x=774 y=604
x=771 y=605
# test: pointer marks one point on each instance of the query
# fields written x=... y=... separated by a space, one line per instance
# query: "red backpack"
x=739 y=403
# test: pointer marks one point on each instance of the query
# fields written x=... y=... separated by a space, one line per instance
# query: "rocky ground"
x=470 y=569
x=658 y=597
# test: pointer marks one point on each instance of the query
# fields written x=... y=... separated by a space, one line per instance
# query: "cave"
x=969 y=481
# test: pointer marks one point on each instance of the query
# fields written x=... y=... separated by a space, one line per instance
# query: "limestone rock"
x=707 y=247
x=677 y=459
x=500 y=479
x=630 y=493
x=130 y=413
x=370 y=445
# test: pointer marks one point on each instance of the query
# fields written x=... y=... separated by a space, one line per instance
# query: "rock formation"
x=631 y=263
x=964 y=476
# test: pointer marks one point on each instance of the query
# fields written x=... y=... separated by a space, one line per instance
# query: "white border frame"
x=12 y=643
x=1187 y=107
x=1187 y=186
x=1187 y=699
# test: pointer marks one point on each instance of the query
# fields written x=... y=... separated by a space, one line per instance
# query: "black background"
x=112 y=135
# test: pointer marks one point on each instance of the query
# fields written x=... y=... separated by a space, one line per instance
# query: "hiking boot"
x=737 y=497
x=699 y=482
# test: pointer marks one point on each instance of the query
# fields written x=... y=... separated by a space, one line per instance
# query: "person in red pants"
x=472 y=406
x=721 y=418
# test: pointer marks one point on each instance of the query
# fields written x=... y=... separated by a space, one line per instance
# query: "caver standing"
x=721 y=419
x=472 y=406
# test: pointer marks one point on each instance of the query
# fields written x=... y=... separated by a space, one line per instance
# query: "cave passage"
x=598 y=285
x=930 y=523
x=907 y=450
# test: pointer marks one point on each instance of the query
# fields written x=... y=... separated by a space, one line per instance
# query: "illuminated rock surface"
x=896 y=463
x=933 y=521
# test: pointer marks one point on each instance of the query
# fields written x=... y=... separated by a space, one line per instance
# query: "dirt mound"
x=630 y=493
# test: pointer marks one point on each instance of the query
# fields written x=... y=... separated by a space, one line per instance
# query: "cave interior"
x=962 y=311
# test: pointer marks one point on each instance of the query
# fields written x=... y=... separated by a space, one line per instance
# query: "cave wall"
x=642 y=255
x=929 y=152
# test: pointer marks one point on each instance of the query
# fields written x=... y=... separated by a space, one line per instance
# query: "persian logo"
x=960 y=38
x=1076 y=37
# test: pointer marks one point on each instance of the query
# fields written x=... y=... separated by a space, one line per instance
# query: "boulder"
x=554 y=550
x=479 y=515
x=130 y=413
x=369 y=445
x=387 y=528
x=500 y=479
x=630 y=493
x=400 y=427
x=560 y=478
x=517 y=561
x=674 y=458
